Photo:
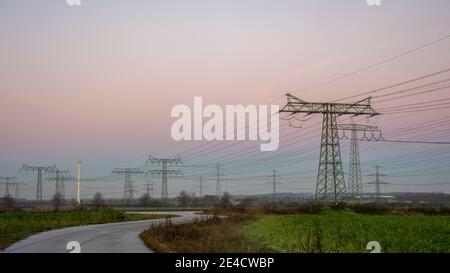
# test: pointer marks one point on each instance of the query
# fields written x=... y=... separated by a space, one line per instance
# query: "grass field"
x=209 y=236
x=329 y=230
x=347 y=231
x=15 y=226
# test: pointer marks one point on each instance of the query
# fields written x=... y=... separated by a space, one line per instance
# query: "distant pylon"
x=166 y=167
x=61 y=176
x=218 y=176
x=355 y=184
x=274 y=183
x=9 y=181
x=149 y=189
x=377 y=182
x=330 y=176
x=40 y=171
x=128 y=186
x=201 y=187
x=218 y=186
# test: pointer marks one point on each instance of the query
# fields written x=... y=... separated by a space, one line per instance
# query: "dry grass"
x=209 y=236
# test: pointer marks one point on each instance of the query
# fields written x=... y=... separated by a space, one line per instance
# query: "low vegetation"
x=17 y=225
x=310 y=229
x=210 y=236
x=348 y=231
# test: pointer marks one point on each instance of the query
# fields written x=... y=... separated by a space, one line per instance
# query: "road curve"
x=102 y=238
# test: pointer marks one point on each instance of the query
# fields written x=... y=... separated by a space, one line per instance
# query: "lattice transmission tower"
x=354 y=183
x=40 y=172
x=128 y=185
x=164 y=167
x=377 y=182
x=201 y=186
x=60 y=177
x=9 y=182
x=330 y=176
x=274 y=183
x=219 y=176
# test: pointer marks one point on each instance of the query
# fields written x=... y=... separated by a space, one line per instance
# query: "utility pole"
x=78 y=181
x=40 y=171
x=165 y=167
x=377 y=182
x=330 y=176
x=354 y=183
x=128 y=186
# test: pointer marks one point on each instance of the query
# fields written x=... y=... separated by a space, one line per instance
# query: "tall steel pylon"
x=40 y=171
x=9 y=182
x=377 y=182
x=354 y=183
x=201 y=186
x=165 y=167
x=330 y=176
x=149 y=188
x=60 y=177
x=128 y=185
x=218 y=176
x=274 y=184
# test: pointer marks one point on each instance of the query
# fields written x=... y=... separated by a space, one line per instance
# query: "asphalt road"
x=103 y=238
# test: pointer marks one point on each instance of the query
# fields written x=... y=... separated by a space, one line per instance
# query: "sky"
x=97 y=83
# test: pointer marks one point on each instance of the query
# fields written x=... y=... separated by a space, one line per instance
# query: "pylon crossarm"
x=296 y=105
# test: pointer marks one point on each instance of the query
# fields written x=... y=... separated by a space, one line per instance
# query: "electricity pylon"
x=165 y=167
x=274 y=183
x=377 y=182
x=9 y=182
x=40 y=171
x=201 y=186
x=149 y=188
x=61 y=176
x=218 y=181
x=128 y=186
x=330 y=175
x=354 y=183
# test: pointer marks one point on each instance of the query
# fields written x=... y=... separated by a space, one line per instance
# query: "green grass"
x=15 y=226
x=348 y=231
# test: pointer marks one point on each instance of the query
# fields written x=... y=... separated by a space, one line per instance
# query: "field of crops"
x=15 y=226
x=348 y=231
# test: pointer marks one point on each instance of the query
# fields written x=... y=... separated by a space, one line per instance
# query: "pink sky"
x=97 y=82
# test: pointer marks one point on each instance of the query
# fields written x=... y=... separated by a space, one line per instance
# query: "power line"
x=374 y=65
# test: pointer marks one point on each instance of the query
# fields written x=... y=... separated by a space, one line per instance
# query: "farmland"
x=347 y=231
x=329 y=230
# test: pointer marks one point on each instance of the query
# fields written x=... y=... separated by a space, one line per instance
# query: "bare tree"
x=57 y=201
x=226 y=199
x=98 y=201
x=145 y=200
x=184 y=199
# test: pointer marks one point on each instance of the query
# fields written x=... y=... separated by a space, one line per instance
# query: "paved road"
x=104 y=238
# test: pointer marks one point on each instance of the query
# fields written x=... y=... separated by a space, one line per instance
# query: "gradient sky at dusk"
x=97 y=82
